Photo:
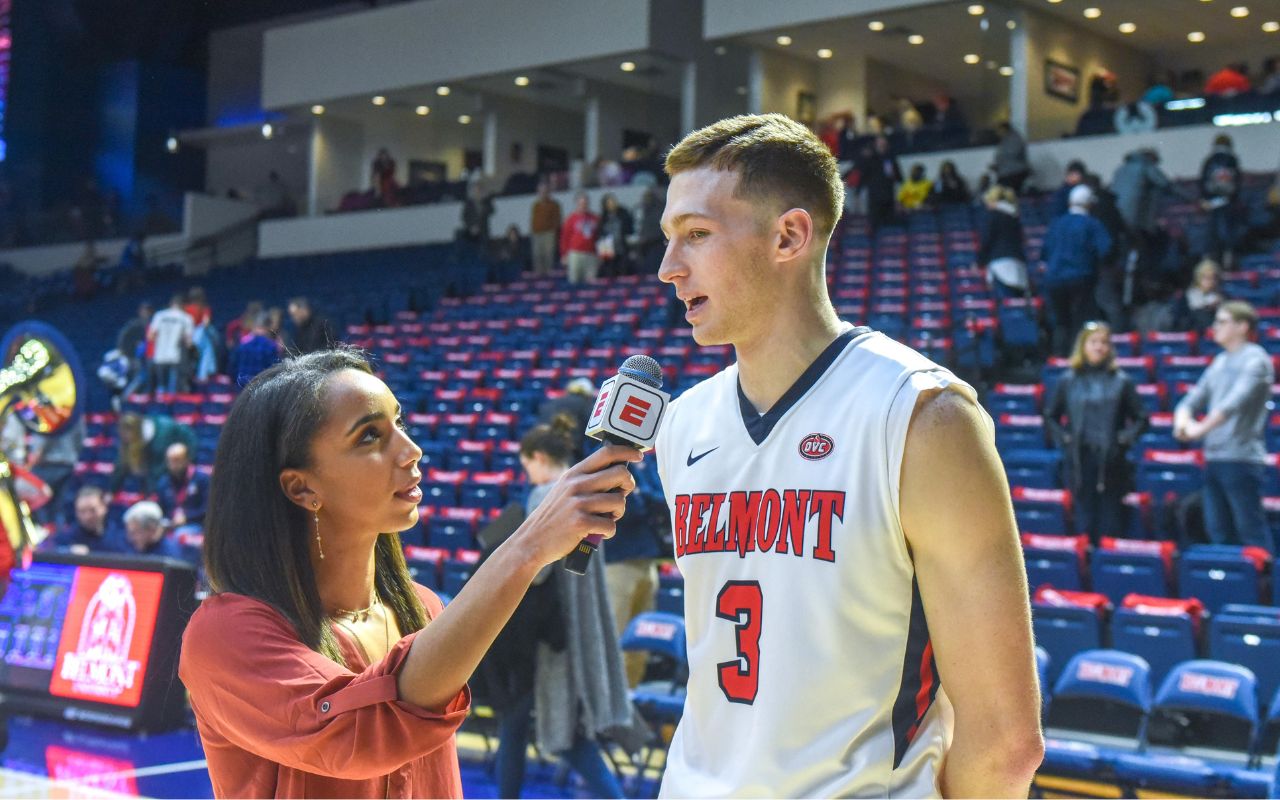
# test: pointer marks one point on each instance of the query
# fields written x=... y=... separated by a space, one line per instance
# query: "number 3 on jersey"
x=741 y=602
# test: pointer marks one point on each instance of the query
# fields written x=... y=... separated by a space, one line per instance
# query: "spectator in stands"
x=476 y=215
x=631 y=570
x=578 y=242
x=183 y=491
x=275 y=325
x=880 y=176
x=950 y=187
x=569 y=710
x=131 y=341
x=1094 y=416
x=1073 y=177
x=1103 y=90
x=1011 y=166
x=649 y=231
x=1073 y=251
x=1197 y=307
x=1269 y=81
x=53 y=458
x=131 y=273
x=1159 y=89
x=1002 y=252
x=914 y=192
x=1235 y=391
x=613 y=245
x=145 y=532
x=544 y=224
x=1115 y=294
x=143 y=441
x=274 y=200
x=92 y=532
x=509 y=258
x=258 y=350
x=384 y=178
x=311 y=332
x=241 y=325
x=1138 y=184
x=1231 y=80
x=576 y=402
x=948 y=118
x=1220 y=184
x=84 y=274
x=204 y=339
x=910 y=122
x=170 y=333
x=1137 y=117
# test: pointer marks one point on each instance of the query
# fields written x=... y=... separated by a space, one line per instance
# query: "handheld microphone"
x=627 y=412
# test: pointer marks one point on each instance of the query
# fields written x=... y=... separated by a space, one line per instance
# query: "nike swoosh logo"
x=692 y=460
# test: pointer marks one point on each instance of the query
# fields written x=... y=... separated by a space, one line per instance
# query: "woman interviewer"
x=318 y=668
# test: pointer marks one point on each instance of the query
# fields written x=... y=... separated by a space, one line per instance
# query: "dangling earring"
x=317 y=519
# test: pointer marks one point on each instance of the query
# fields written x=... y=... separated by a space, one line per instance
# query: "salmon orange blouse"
x=278 y=719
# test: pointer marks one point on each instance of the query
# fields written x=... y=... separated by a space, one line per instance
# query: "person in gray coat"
x=1138 y=184
x=580 y=689
x=1011 y=166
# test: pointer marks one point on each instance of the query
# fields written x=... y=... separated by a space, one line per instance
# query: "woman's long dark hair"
x=257 y=541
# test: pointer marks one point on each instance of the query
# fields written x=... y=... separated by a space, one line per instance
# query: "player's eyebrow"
x=677 y=220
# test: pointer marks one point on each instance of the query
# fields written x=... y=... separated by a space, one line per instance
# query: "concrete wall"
x=404 y=226
x=430 y=41
x=785 y=77
x=337 y=164
x=1051 y=38
x=842 y=87
x=722 y=18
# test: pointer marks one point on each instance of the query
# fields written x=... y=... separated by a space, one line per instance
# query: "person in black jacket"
x=311 y=332
x=1095 y=416
x=880 y=177
x=1219 y=195
x=1002 y=253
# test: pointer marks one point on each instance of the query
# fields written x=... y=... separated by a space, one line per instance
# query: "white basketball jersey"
x=811 y=669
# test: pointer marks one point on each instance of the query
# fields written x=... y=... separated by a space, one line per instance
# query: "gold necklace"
x=386 y=633
x=359 y=614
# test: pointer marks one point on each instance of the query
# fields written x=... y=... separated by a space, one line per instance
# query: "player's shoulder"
x=874 y=346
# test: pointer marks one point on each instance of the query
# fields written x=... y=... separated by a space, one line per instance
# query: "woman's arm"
x=586 y=500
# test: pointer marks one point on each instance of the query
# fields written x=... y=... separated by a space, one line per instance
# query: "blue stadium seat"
x=1058 y=568
x=1163 y=640
x=1249 y=636
x=1065 y=631
x=1103 y=692
x=659 y=701
x=1036 y=469
x=1042 y=510
x=1218 y=575
x=1116 y=574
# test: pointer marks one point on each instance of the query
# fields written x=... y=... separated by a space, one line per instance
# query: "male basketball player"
x=855 y=595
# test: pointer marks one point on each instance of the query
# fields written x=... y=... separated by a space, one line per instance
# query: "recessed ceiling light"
x=976 y=10
x=1240 y=12
x=1127 y=27
x=422 y=111
x=915 y=38
x=1270 y=26
x=379 y=100
x=171 y=144
x=522 y=80
x=317 y=109
x=1055 y=2
x=1195 y=37
x=267 y=130
x=972 y=58
x=824 y=52
x=465 y=119
x=784 y=40
x=1006 y=71
x=443 y=91
x=721 y=50
x=875 y=25
x=1011 y=24
x=1092 y=13
x=627 y=66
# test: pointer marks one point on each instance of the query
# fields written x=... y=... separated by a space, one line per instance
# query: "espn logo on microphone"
x=629 y=410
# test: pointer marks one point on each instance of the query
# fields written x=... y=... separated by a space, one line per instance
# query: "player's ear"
x=795 y=233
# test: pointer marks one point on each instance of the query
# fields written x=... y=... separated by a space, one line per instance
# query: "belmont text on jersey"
x=782 y=521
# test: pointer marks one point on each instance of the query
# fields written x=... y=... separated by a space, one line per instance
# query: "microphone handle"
x=577 y=561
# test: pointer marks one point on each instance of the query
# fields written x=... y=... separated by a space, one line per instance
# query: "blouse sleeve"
x=254 y=683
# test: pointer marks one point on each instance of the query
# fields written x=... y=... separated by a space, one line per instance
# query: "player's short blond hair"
x=775 y=157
